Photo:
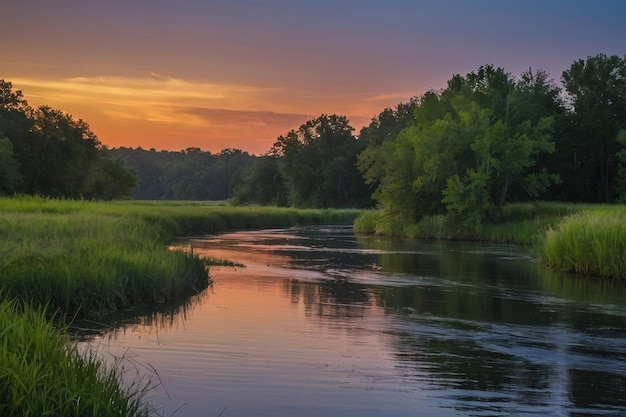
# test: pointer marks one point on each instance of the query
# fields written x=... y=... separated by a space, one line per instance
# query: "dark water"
x=323 y=323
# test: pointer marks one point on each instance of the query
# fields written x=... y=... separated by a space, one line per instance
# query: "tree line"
x=465 y=150
x=189 y=174
x=47 y=152
x=487 y=138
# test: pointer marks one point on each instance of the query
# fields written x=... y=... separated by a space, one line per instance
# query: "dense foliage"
x=47 y=152
x=190 y=174
x=486 y=139
x=468 y=148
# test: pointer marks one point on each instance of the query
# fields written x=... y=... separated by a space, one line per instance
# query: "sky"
x=217 y=74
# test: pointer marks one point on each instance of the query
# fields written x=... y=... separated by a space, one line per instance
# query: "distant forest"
x=486 y=139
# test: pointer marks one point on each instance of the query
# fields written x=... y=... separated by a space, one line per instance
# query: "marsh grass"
x=591 y=243
x=522 y=223
x=584 y=239
x=42 y=374
x=90 y=259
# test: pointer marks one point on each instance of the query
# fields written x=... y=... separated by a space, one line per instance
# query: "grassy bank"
x=90 y=259
x=516 y=223
x=583 y=239
x=590 y=243
x=41 y=374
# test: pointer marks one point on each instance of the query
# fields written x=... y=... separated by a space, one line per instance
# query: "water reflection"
x=321 y=322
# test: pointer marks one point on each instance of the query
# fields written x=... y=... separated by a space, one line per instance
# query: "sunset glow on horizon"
x=237 y=74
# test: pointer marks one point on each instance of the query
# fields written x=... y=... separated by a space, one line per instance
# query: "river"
x=320 y=322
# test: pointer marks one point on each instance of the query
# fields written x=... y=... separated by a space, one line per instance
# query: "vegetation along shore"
x=584 y=239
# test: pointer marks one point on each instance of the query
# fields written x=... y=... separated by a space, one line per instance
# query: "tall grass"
x=523 y=223
x=526 y=223
x=588 y=243
x=583 y=239
x=90 y=259
x=41 y=374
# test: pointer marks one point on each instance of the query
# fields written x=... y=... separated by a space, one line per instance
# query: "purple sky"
x=236 y=74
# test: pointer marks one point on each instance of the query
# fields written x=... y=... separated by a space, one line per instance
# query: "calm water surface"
x=322 y=323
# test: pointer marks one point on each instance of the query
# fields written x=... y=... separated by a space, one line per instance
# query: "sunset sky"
x=236 y=74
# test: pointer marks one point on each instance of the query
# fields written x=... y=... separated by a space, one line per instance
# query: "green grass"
x=591 y=243
x=587 y=239
x=90 y=259
x=42 y=374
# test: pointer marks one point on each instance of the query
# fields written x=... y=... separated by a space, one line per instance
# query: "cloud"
x=248 y=118
x=157 y=109
x=400 y=97
x=153 y=90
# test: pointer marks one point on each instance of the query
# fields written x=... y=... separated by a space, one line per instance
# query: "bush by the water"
x=584 y=239
x=589 y=243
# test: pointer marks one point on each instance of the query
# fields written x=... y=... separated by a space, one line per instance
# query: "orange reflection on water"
x=263 y=335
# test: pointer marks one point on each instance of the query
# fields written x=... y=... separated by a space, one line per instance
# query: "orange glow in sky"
x=167 y=113
x=237 y=74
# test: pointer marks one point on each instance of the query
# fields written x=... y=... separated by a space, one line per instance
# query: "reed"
x=42 y=374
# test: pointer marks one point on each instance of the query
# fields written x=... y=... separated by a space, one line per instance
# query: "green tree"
x=108 y=179
x=495 y=155
x=262 y=184
x=389 y=123
x=467 y=146
x=10 y=177
x=17 y=126
x=317 y=164
x=621 y=167
x=60 y=154
x=390 y=168
x=597 y=93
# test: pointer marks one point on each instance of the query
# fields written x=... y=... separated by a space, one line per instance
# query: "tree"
x=389 y=123
x=390 y=169
x=59 y=154
x=317 y=164
x=108 y=179
x=262 y=184
x=467 y=146
x=597 y=92
x=621 y=167
x=16 y=126
x=498 y=155
x=50 y=153
x=10 y=177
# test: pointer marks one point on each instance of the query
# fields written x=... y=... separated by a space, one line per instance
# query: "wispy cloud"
x=152 y=98
x=249 y=118
x=137 y=110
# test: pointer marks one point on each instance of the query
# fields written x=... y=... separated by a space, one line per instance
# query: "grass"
x=590 y=243
x=90 y=259
x=589 y=240
x=41 y=374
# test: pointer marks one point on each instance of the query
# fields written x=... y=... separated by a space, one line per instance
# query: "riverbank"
x=583 y=239
x=88 y=260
